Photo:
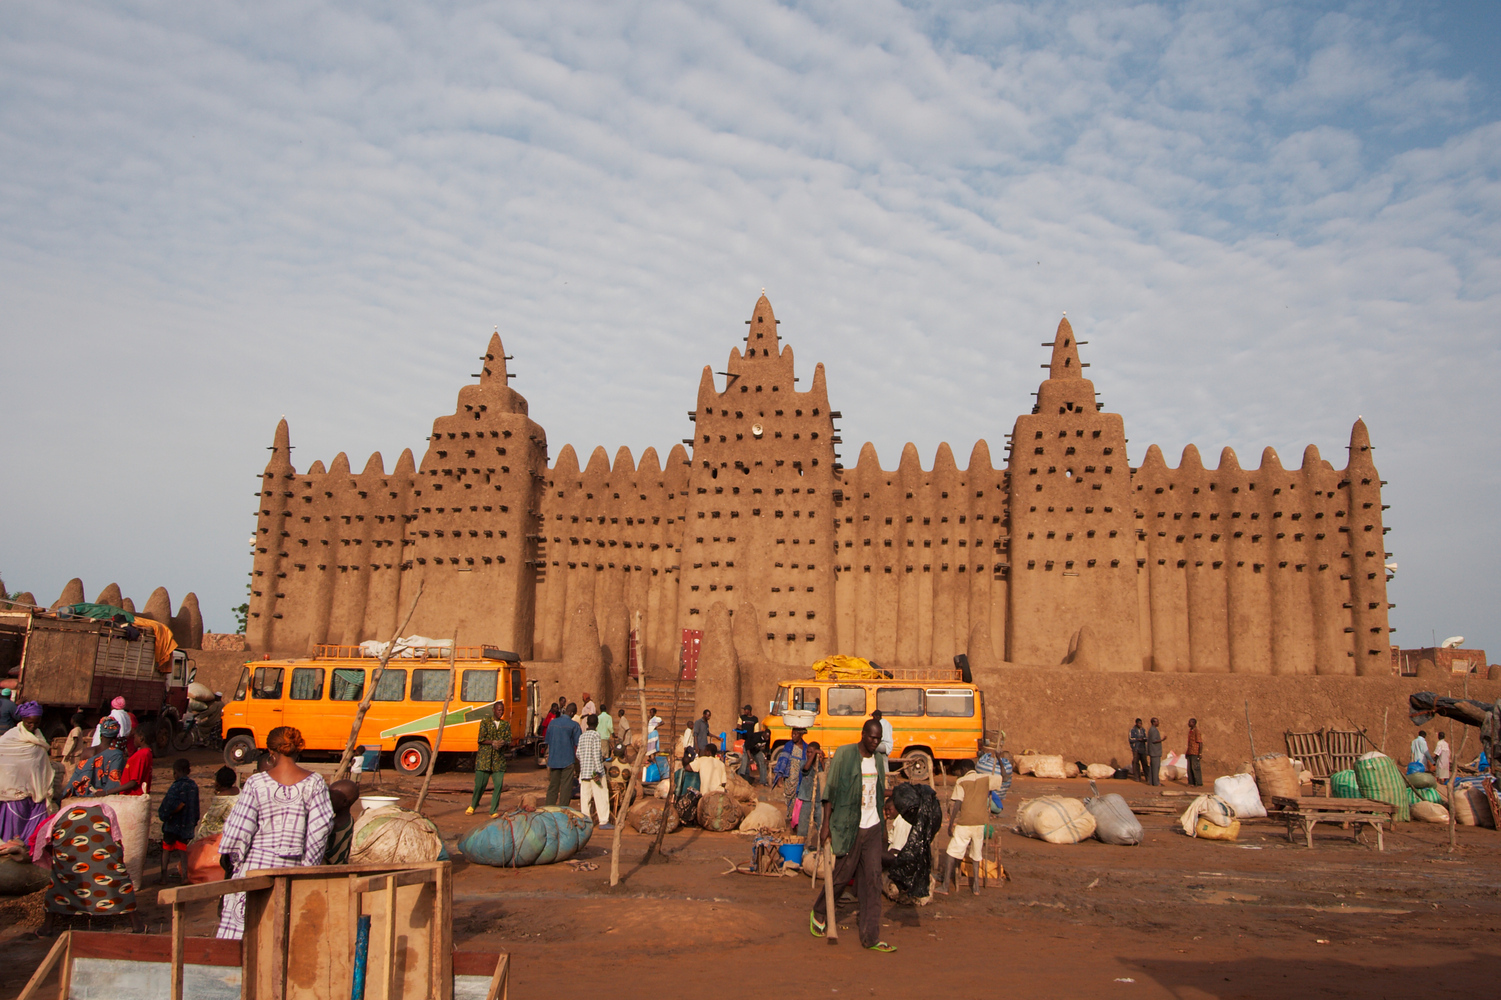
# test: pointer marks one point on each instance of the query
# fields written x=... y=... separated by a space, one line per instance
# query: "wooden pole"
x=359 y=715
x=830 y=919
x=635 y=782
x=1249 y=736
x=1384 y=716
x=432 y=762
x=656 y=847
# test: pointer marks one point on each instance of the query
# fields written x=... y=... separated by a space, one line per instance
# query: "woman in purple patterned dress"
x=280 y=819
x=25 y=775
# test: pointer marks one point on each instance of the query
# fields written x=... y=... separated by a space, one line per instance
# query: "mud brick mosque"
x=754 y=532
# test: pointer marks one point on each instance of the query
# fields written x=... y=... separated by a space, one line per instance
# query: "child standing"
x=179 y=815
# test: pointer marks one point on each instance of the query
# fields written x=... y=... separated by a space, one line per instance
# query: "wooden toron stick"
x=635 y=782
x=830 y=919
x=432 y=762
x=359 y=715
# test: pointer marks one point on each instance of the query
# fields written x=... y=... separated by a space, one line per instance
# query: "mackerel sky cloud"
x=1265 y=220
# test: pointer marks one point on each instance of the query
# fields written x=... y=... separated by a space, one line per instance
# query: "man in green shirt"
x=490 y=760
x=854 y=808
x=606 y=728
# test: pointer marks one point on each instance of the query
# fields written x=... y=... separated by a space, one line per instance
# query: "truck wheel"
x=917 y=766
x=239 y=751
x=412 y=757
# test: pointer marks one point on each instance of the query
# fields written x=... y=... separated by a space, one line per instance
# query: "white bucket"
x=371 y=803
x=799 y=719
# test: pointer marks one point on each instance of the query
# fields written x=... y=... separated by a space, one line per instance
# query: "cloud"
x=1265 y=220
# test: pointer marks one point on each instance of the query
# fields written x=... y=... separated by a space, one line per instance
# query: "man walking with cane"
x=854 y=804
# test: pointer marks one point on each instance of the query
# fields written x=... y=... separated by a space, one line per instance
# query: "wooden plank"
x=390 y=966
x=442 y=932
x=316 y=912
x=212 y=890
x=154 y=948
x=179 y=932
x=474 y=963
x=500 y=982
x=376 y=883
x=57 y=954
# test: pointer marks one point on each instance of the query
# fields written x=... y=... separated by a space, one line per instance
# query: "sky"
x=1265 y=220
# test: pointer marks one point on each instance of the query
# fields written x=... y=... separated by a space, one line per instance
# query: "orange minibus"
x=320 y=696
x=933 y=714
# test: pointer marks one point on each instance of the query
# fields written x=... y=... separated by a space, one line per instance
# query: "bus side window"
x=267 y=683
x=518 y=687
x=846 y=701
x=779 y=705
x=429 y=685
x=307 y=683
x=479 y=685
x=951 y=703
x=899 y=700
x=348 y=684
x=806 y=699
x=392 y=686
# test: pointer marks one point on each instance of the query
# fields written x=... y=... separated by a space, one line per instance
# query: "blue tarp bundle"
x=520 y=839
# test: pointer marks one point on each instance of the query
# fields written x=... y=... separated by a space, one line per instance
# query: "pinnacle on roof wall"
x=1191 y=460
x=317 y=469
x=374 y=465
x=406 y=465
x=979 y=458
x=339 y=466
x=624 y=464
x=1311 y=458
x=599 y=465
x=1065 y=360
x=649 y=465
x=494 y=369
x=566 y=465
x=1270 y=462
x=761 y=335
x=1228 y=461
x=1360 y=447
x=1153 y=460
x=281 y=449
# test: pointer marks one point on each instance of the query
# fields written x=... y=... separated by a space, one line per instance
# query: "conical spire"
x=1065 y=363
x=494 y=369
x=1360 y=445
x=761 y=340
x=281 y=449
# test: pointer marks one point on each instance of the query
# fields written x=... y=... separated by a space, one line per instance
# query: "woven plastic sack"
x=1429 y=795
x=1097 y=771
x=646 y=817
x=1114 y=821
x=1205 y=830
x=718 y=813
x=1342 y=785
x=394 y=837
x=1055 y=819
x=765 y=816
x=1381 y=780
x=1276 y=776
x=1430 y=812
x=519 y=839
x=1239 y=792
x=741 y=791
x=1472 y=808
x=1420 y=780
x=1041 y=765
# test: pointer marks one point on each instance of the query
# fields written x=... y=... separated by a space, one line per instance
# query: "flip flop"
x=883 y=947
x=816 y=927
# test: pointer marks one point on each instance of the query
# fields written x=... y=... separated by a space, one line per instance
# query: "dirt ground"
x=1173 y=917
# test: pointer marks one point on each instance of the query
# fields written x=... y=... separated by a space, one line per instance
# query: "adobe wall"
x=1085 y=715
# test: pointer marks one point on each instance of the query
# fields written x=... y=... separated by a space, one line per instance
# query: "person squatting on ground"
x=1195 y=754
x=916 y=817
x=562 y=756
x=854 y=805
x=280 y=819
x=1154 y=754
x=1139 y=765
x=591 y=762
x=179 y=814
x=969 y=815
x=490 y=761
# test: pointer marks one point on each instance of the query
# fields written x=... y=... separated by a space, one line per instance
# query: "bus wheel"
x=917 y=766
x=240 y=750
x=412 y=757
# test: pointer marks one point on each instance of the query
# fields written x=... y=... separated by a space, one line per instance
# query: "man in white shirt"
x=710 y=770
x=589 y=707
x=1420 y=754
x=1441 y=755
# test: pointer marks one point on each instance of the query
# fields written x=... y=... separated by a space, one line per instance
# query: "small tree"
x=242 y=613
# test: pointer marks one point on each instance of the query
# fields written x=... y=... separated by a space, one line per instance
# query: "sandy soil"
x=1174 y=917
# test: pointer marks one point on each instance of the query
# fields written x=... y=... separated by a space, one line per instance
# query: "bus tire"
x=917 y=766
x=412 y=757
x=239 y=751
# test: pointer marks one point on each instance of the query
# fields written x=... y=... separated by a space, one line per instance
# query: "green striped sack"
x=1380 y=780
x=1342 y=785
x=1429 y=795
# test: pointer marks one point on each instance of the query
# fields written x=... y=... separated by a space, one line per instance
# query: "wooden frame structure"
x=300 y=937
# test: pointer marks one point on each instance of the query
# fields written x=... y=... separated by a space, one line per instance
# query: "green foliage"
x=242 y=613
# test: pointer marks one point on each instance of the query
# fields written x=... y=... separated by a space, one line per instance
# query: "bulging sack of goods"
x=1097 y=771
x=1342 y=785
x=1430 y=812
x=1380 y=779
x=1174 y=767
x=1240 y=793
x=1041 y=765
x=520 y=839
x=1276 y=776
x=394 y=837
x=764 y=816
x=1421 y=779
x=718 y=813
x=740 y=790
x=1472 y=808
x=646 y=817
x=1114 y=821
x=22 y=878
x=1207 y=830
x=1055 y=819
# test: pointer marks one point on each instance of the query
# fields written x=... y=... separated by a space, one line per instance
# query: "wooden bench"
x=1309 y=811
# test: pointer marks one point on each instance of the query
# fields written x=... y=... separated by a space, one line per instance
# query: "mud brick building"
x=753 y=530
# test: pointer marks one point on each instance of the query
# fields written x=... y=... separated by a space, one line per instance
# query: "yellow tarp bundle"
x=848 y=668
x=165 y=644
